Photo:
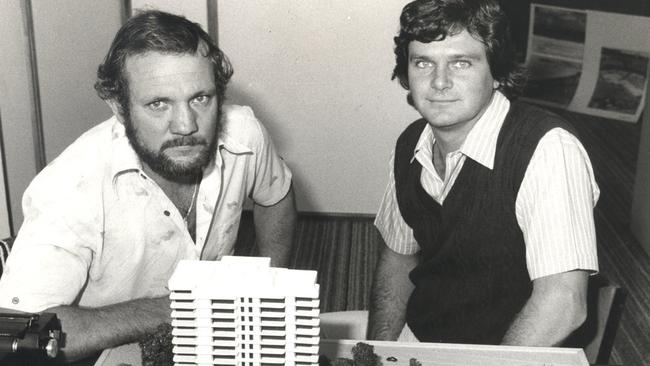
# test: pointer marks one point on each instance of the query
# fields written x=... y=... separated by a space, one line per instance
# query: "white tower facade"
x=242 y=311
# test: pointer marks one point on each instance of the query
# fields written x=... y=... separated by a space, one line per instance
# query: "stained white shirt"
x=554 y=206
x=98 y=231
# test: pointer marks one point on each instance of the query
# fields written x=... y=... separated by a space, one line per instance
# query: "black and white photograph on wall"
x=556 y=52
x=621 y=81
x=552 y=80
x=576 y=62
x=559 y=32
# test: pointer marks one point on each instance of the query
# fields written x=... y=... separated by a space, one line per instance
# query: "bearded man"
x=164 y=179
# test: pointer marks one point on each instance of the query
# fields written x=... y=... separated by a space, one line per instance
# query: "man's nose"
x=441 y=79
x=183 y=121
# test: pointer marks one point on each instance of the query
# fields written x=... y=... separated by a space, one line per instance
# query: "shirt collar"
x=231 y=144
x=124 y=158
x=480 y=143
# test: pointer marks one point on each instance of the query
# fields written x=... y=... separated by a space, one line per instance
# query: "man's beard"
x=165 y=166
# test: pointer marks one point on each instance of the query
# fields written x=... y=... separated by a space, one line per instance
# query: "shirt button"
x=15 y=300
x=166 y=213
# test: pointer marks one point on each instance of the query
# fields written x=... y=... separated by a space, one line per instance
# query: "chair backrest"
x=5 y=248
x=604 y=308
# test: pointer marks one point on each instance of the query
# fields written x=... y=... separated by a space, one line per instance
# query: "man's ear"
x=116 y=108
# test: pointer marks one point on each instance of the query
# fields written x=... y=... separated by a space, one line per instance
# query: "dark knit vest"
x=472 y=278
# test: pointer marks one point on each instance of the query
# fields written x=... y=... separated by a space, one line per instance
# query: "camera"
x=28 y=338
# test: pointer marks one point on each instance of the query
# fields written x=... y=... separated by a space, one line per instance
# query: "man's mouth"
x=183 y=147
x=183 y=151
x=442 y=100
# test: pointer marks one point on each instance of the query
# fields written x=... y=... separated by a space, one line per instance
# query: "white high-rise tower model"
x=242 y=311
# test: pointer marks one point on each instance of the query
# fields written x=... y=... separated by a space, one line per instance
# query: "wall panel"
x=317 y=73
x=71 y=39
x=16 y=105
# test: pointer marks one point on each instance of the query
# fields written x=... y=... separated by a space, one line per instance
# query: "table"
x=429 y=354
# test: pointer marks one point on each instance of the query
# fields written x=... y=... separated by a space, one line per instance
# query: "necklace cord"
x=194 y=194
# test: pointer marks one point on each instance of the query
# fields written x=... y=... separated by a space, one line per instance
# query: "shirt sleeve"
x=396 y=233
x=49 y=261
x=555 y=207
x=272 y=175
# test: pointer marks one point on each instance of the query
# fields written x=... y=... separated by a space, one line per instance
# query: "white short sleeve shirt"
x=98 y=231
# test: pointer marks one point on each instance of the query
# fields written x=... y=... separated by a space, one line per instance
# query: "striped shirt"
x=554 y=206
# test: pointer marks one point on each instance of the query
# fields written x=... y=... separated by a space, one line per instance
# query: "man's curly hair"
x=434 y=20
x=157 y=31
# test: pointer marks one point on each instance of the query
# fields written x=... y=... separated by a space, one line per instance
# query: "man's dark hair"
x=434 y=20
x=157 y=31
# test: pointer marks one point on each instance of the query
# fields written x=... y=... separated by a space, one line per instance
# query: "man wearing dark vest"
x=488 y=214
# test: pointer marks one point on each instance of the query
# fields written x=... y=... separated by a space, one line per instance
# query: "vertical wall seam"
x=213 y=22
x=5 y=175
x=37 y=119
x=126 y=10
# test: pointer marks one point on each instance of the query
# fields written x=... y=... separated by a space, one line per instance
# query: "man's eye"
x=157 y=105
x=460 y=65
x=423 y=64
x=202 y=99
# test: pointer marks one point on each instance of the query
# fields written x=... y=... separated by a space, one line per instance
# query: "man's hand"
x=557 y=307
x=274 y=229
x=390 y=293
x=91 y=330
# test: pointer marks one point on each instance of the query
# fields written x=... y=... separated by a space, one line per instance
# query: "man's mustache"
x=183 y=141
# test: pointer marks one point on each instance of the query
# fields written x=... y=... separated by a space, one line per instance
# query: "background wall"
x=70 y=38
x=196 y=11
x=317 y=74
x=16 y=105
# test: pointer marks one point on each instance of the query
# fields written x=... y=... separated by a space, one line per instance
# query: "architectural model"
x=242 y=311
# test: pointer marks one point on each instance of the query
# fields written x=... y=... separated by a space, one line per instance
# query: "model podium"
x=241 y=311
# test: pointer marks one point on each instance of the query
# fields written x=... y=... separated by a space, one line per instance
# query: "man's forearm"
x=90 y=330
x=390 y=293
x=274 y=229
x=556 y=308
